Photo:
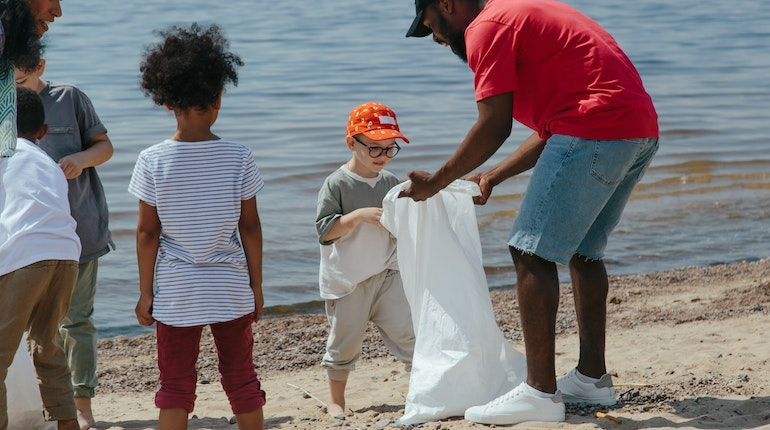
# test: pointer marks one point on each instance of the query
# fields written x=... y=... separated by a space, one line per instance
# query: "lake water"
x=705 y=200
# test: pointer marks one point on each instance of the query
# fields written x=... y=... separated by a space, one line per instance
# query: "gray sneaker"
x=517 y=406
x=575 y=391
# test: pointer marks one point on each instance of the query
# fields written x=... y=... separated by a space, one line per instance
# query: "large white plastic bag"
x=25 y=408
x=461 y=358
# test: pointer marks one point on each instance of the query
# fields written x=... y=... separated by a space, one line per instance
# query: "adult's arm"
x=522 y=159
x=492 y=127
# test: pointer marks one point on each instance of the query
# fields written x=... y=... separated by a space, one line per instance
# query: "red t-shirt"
x=567 y=74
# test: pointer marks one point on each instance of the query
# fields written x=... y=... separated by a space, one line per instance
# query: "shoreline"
x=688 y=348
x=316 y=307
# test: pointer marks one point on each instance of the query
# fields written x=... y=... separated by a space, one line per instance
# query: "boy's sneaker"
x=575 y=391
x=516 y=406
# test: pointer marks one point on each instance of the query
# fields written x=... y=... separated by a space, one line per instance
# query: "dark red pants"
x=178 y=349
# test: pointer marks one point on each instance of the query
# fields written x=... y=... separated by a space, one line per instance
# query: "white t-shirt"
x=201 y=274
x=35 y=221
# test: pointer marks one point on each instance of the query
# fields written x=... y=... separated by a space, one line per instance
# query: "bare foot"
x=336 y=411
x=336 y=406
x=86 y=419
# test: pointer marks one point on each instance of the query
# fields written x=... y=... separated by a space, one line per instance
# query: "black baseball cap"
x=418 y=29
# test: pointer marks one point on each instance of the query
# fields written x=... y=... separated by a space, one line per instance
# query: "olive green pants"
x=77 y=332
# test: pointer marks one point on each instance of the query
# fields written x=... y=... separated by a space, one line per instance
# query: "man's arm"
x=521 y=160
x=492 y=127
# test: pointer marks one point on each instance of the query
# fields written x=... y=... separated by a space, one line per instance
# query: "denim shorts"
x=576 y=194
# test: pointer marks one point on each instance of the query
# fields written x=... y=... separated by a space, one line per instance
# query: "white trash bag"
x=25 y=408
x=461 y=358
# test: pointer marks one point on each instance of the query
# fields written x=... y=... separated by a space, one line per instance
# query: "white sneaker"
x=516 y=406
x=575 y=391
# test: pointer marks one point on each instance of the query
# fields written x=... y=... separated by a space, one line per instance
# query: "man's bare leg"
x=538 y=295
x=590 y=286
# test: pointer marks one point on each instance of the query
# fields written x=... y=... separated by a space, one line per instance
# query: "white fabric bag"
x=461 y=358
x=25 y=408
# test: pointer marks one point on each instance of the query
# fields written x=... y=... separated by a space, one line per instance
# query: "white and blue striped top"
x=201 y=275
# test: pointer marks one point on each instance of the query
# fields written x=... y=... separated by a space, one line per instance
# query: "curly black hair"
x=22 y=45
x=31 y=116
x=189 y=67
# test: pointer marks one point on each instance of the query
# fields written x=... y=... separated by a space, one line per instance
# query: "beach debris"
x=616 y=420
x=382 y=423
x=308 y=393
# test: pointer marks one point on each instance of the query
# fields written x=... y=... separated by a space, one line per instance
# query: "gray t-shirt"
x=364 y=251
x=72 y=122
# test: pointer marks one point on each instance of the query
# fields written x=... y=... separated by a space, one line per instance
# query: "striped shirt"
x=201 y=275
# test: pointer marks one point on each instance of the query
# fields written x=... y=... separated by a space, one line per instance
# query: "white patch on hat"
x=385 y=119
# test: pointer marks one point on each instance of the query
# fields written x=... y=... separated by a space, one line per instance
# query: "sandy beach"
x=687 y=348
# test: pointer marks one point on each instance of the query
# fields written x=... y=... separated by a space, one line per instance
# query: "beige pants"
x=380 y=300
x=36 y=298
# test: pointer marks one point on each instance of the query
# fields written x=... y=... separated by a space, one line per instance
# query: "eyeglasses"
x=377 y=151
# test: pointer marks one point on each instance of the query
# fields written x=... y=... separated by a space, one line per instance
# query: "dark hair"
x=30 y=115
x=189 y=67
x=22 y=45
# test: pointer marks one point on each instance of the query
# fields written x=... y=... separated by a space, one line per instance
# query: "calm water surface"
x=705 y=200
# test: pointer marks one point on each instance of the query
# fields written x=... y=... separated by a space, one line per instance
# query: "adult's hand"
x=423 y=186
x=484 y=186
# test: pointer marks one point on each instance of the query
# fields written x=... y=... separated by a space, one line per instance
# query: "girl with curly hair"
x=199 y=237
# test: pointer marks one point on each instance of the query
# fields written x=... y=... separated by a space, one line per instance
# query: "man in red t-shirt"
x=559 y=73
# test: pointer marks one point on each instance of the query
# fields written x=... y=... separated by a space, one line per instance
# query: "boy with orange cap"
x=359 y=277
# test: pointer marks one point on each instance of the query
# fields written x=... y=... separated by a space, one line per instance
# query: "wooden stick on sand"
x=609 y=417
x=308 y=394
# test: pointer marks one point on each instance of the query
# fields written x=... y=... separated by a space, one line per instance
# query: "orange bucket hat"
x=375 y=121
